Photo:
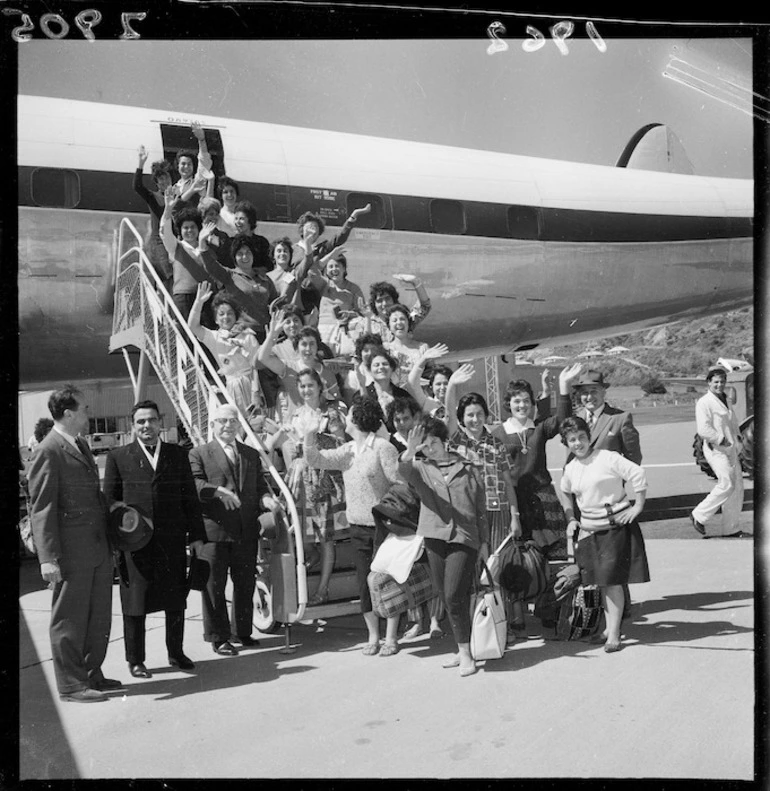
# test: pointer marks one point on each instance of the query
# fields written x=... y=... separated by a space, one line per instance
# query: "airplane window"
x=55 y=187
x=376 y=217
x=523 y=222
x=447 y=216
x=176 y=137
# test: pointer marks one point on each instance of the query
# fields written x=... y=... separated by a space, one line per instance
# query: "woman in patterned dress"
x=321 y=492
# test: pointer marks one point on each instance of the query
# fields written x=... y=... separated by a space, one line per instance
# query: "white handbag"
x=488 y=622
x=491 y=573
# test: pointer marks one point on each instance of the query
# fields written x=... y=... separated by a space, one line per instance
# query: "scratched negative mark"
x=726 y=86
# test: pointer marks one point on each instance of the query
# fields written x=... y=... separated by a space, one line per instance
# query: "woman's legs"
x=327 y=567
x=613 y=599
x=452 y=567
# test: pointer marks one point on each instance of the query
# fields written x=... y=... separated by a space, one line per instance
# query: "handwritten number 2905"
x=559 y=32
x=54 y=26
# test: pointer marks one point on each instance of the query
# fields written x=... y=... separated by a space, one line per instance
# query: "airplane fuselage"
x=513 y=251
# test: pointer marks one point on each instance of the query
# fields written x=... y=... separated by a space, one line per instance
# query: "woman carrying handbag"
x=452 y=522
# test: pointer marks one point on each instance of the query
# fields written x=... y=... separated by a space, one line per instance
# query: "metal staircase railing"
x=146 y=317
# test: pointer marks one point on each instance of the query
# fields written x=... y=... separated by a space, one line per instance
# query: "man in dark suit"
x=230 y=483
x=69 y=524
x=611 y=428
x=155 y=478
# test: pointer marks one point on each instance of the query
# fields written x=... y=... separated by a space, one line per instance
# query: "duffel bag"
x=391 y=598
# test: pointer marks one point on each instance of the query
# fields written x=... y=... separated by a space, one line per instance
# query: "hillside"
x=681 y=349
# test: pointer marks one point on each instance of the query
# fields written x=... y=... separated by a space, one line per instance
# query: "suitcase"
x=391 y=598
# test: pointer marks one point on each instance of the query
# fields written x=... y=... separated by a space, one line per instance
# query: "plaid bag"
x=581 y=614
x=391 y=598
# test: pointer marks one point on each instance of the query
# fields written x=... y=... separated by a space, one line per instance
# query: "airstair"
x=146 y=319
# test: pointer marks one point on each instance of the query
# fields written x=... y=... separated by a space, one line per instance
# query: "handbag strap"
x=477 y=586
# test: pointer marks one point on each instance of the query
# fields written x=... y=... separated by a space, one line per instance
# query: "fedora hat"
x=591 y=378
x=131 y=531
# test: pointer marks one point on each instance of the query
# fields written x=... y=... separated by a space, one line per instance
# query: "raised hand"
x=434 y=352
x=570 y=373
x=204 y=292
x=206 y=231
x=142 y=156
x=276 y=322
x=411 y=280
x=197 y=130
x=414 y=441
x=463 y=374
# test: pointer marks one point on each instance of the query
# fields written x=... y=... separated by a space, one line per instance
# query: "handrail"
x=155 y=297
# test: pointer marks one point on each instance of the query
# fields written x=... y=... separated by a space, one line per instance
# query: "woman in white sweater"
x=369 y=467
x=610 y=550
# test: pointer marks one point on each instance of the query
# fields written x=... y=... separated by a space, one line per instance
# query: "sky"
x=581 y=107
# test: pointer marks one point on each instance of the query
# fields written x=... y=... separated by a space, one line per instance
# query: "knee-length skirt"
x=613 y=557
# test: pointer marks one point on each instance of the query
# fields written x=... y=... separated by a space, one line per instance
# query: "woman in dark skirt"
x=610 y=550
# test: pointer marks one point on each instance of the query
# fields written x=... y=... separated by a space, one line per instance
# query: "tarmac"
x=677 y=702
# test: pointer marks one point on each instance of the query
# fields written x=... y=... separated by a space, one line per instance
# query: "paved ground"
x=676 y=702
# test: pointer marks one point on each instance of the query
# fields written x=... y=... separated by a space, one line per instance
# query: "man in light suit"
x=718 y=426
x=154 y=477
x=611 y=428
x=69 y=525
x=231 y=484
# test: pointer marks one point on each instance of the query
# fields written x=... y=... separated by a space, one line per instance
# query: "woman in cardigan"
x=453 y=523
x=369 y=467
x=610 y=550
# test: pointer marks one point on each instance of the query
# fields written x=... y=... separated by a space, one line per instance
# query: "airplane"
x=515 y=251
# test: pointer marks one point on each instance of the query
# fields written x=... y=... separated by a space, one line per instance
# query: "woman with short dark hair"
x=369 y=467
x=610 y=549
x=452 y=523
x=161 y=177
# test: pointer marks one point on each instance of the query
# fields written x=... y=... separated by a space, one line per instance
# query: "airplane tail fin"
x=655 y=147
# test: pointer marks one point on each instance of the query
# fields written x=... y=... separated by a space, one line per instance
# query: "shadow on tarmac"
x=44 y=749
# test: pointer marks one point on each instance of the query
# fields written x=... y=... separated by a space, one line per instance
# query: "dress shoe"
x=182 y=662
x=105 y=684
x=247 y=641
x=226 y=649
x=139 y=670
x=697 y=525
x=87 y=695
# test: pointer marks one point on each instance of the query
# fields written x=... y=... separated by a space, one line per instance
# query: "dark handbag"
x=523 y=570
x=581 y=614
x=197 y=574
x=391 y=598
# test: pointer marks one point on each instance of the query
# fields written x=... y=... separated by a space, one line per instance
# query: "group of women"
x=338 y=387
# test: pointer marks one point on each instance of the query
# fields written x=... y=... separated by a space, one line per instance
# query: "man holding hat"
x=69 y=524
x=611 y=428
x=717 y=424
x=230 y=482
x=154 y=478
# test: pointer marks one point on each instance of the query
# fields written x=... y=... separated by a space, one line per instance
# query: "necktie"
x=232 y=457
x=590 y=419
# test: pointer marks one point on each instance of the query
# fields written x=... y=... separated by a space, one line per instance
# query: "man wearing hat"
x=154 y=478
x=69 y=524
x=230 y=482
x=611 y=428
x=717 y=424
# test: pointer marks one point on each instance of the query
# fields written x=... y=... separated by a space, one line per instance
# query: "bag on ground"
x=488 y=622
x=391 y=598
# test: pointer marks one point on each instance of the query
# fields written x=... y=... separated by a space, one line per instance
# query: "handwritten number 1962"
x=559 y=32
